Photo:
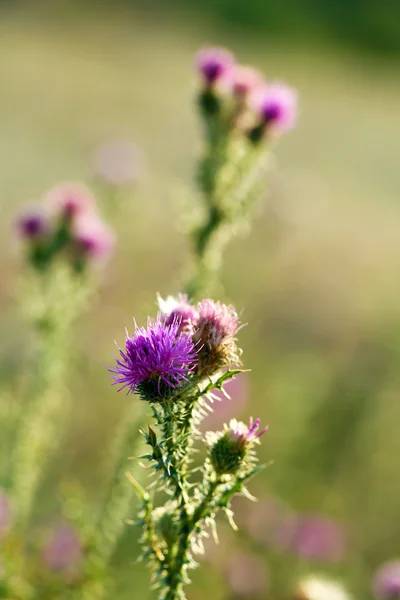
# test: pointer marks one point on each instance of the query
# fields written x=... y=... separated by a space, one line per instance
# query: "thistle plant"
x=174 y=364
x=241 y=116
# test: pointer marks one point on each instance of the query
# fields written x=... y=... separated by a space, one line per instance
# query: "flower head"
x=245 y=79
x=155 y=361
x=386 y=583
x=70 y=200
x=217 y=326
x=118 y=163
x=179 y=310
x=230 y=447
x=63 y=551
x=276 y=107
x=32 y=225
x=214 y=64
x=92 y=237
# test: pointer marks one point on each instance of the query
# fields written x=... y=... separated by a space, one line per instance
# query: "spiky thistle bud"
x=215 y=333
x=230 y=448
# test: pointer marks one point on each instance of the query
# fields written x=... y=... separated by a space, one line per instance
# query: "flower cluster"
x=238 y=95
x=67 y=224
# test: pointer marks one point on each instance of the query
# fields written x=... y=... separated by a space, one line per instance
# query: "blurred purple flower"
x=386 y=583
x=92 y=236
x=158 y=354
x=63 y=551
x=32 y=224
x=276 y=105
x=245 y=79
x=118 y=163
x=6 y=514
x=247 y=576
x=313 y=537
x=214 y=64
x=70 y=200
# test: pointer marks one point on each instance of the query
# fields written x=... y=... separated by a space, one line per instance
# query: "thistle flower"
x=245 y=79
x=6 y=514
x=217 y=326
x=180 y=310
x=386 y=583
x=63 y=551
x=230 y=447
x=118 y=163
x=91 y=237
x=156 y=361
x=69 y=200
x=318 y=588
x=213 y=64
x=276 y=107
x=32 y=225
x=313 y=537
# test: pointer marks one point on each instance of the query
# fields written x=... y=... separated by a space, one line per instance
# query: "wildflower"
x=70 y=200
x=318 y=588
x=276 y=108
x=156 y=361
x=91 y=237
x=229 y=448
x=217 y=326
x=63 y=551
x=6 y=514
x=214 y=64
x=118 y=163
x=179 y=309
x=313 y=537
x=246 y=576
x=245 y=79
x=386 y=583
x=32 y=225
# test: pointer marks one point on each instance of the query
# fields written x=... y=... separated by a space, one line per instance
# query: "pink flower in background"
x=70 y=200
x=6 y=514
x=63 y=551
x=214 y=64
x=276 y=106
x=247 y=576
x=386 y=583
x=223 y=407
x=32 y=225
x=313 y=537
x=245 y=79
x=118 y=163
x=93 y=237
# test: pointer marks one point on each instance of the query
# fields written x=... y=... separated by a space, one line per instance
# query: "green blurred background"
x=318 y=278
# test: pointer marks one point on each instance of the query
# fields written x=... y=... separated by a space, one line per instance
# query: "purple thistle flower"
x=247 y=434
x=214 y=64
x=386 y=583
x=63 y=551
x=32 y=225
x=245 y=79
x=156 y=360
x=276 y=105
x=70 y=200
x=92 y=236
x=179 y=310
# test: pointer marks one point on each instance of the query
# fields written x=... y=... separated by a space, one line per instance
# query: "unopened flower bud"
x=229 y=448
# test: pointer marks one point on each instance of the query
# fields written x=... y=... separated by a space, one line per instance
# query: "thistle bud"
x=166 y=525
x=214 y=337
x=229 y=448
